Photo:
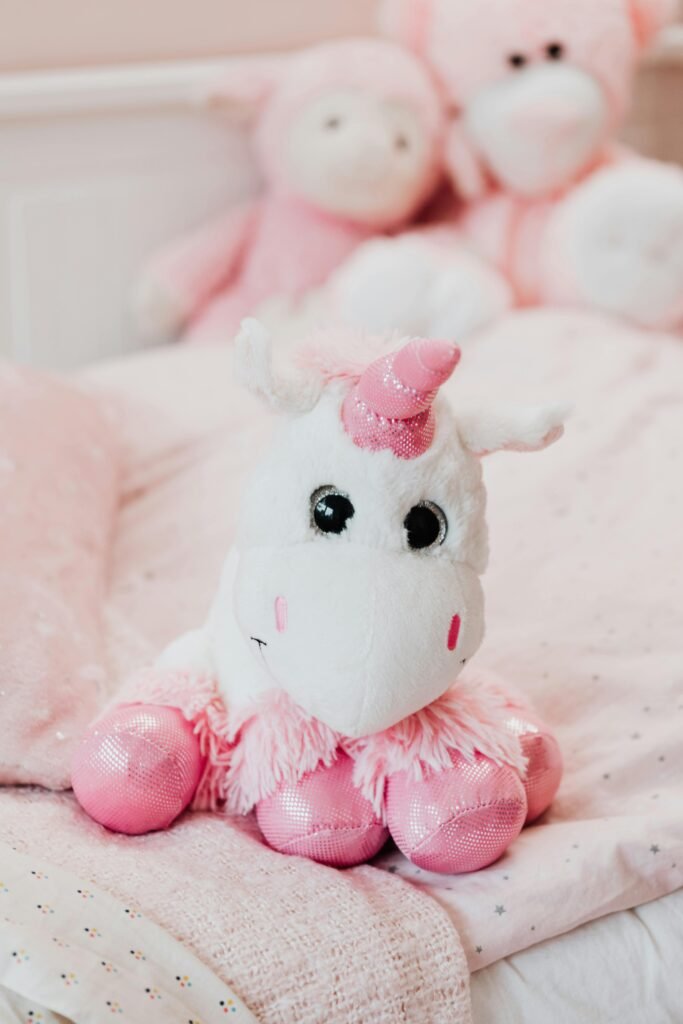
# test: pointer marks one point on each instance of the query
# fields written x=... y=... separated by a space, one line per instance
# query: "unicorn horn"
x=390 y=405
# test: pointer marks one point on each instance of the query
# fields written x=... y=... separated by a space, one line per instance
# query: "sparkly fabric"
x=324 y=817
x=544 y=763
x=460 y=819
x=391 y=404
x=137 y=768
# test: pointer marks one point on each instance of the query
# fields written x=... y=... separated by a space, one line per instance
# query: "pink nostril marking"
x=280 y=614
x=454 y=633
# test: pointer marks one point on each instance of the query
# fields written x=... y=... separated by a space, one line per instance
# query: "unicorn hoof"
x=323 y=817
x=544 y=763
x=137 y=768
x=459 y=819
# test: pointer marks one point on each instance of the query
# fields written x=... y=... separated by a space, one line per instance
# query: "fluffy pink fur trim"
x=470 y=718
x=274 y=741
x=250 y=751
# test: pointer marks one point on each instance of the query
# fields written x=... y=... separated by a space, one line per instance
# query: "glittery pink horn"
x=391 y=404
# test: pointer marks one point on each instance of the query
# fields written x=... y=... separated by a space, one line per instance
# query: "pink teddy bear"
x=349 y=141
x=538 y=91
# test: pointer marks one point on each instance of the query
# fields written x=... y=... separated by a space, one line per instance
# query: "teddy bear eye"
x=402 y=143
x=517 y=60
x=333 y=123
x=425 y=525
x=555 y=51
x=330 y=510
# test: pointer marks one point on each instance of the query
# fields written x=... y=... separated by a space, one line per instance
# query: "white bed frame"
x=97 y=168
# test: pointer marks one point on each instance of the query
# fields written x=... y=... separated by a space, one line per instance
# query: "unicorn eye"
x=330 y=510
x=426 y=526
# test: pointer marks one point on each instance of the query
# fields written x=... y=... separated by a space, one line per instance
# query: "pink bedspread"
x=585 y=611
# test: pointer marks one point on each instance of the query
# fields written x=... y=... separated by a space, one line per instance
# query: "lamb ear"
x=651 y=16
x=406 y=21
x=254 y=368
x=528 y=429
x=244 y=86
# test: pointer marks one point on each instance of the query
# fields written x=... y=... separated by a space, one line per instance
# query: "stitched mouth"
x=257 y=640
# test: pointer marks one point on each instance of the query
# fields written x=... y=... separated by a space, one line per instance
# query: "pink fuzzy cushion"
x=59 y=476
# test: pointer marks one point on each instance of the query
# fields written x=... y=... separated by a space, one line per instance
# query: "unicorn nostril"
x=280 y=614
x=453 y=633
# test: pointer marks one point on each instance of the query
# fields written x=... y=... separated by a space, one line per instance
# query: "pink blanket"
x=585 y=601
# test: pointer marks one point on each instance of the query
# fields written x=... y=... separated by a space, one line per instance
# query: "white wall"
x=68 y=33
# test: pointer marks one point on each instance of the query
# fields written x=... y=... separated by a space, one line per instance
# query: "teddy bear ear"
x=651 y=16
x=407 y=21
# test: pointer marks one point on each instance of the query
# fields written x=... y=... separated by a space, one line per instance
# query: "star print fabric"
x=585 y=616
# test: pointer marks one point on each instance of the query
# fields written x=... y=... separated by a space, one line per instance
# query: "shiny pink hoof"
x=323 y=817
x=137 y=768
x=544 y=770
x=456 y=820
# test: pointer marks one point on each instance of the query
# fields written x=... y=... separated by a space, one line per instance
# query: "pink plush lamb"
x=325 y=689
x=538 y=90
x=349 y=142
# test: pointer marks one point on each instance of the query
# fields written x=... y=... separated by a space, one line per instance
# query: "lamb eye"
x=333 y=123
x=330 y=510
x=517 y=60
x=401 y=143
x=425 y=525
x=555 y=51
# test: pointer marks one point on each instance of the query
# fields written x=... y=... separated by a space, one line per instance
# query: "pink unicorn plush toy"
x=325 y=689
x=539 y=89
x=349 y=141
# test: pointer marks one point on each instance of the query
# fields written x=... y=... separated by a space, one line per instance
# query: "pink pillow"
x=59 y=484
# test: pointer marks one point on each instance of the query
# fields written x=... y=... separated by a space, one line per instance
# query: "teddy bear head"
x=538 y=87
x=354 y=128
x=355 y=576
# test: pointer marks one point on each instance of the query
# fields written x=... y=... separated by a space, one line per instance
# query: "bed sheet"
x=621 y=969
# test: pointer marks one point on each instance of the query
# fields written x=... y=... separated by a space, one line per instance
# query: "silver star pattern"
x=654 y=848
x=500 y=910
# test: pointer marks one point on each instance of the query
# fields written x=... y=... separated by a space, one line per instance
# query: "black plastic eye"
x=330 y=510
x=426 y=525
x=517 y=60
x=555 y=51
x=333 y=123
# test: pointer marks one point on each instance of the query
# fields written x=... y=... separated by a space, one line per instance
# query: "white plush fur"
x=358 y=155
x=367 y=617
x=617 y=244
x=538 y=129
x=438 y=291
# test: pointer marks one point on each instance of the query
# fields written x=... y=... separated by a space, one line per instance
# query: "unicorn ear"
x=651 y=16
x=407 y=21
x=527 y=429
x=254 y=369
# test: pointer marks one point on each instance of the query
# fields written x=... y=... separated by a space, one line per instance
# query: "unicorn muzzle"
x=359 y=639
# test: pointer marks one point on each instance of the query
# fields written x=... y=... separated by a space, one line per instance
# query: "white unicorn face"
x=357 y=581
